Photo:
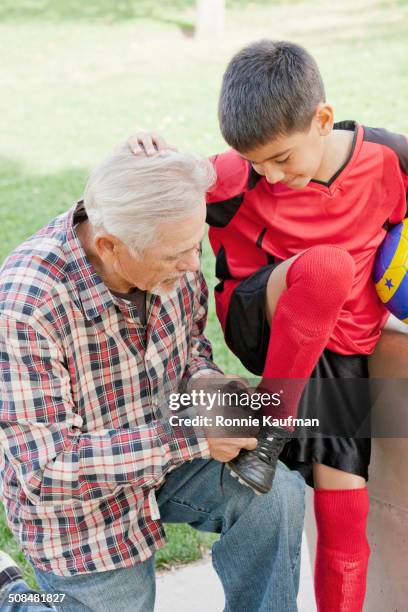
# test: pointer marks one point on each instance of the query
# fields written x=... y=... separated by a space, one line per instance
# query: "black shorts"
x=247 y=335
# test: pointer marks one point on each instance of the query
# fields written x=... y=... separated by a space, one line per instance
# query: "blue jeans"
x=257 y=557
x=10 y=598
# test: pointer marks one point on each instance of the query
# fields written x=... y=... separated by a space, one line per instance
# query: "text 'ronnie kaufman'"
x=222 y=421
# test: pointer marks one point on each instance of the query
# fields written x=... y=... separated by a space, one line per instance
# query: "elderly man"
x=102 y=313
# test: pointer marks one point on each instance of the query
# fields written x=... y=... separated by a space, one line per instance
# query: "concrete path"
x=196 y=588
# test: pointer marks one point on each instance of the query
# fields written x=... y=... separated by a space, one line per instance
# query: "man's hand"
x=221 y=445
x=148 y=143
x=225 y=449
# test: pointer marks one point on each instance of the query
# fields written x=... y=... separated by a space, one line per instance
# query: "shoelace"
x=269 y=449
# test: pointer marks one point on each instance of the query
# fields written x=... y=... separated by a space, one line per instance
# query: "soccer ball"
x=391 y=271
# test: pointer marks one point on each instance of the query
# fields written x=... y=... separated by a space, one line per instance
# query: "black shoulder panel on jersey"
x=219 y=288
x=253 y=178
x=219 y=214
x=397 y=142
x=222 y=270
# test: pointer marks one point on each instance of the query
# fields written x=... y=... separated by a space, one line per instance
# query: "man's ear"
x=106 y=246
x=324 y=118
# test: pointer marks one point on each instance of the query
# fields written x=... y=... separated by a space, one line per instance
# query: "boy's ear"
x=324 y=117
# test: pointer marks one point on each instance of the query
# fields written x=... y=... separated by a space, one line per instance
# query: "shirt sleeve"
x=394 y=154
x=401 y=211
x=404 y=171
x=41 y=433
x=200 y=359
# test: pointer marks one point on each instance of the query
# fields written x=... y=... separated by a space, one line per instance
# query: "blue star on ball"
x=389 y=284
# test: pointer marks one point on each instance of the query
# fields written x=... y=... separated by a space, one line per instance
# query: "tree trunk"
x=210 y=18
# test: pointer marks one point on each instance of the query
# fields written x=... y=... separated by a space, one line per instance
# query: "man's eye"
x=282 y=161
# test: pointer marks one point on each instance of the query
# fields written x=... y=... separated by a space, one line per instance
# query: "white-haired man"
x=102 y=313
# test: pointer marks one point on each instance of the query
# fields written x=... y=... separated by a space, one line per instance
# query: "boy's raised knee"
x=325 y=271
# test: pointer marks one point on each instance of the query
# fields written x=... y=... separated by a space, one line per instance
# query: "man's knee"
x=282 y=509
x=282 y=506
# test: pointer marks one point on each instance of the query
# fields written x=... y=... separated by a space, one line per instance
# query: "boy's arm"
x=399 y=145
x=395 y=169
x=235 y=176
x=403 y=159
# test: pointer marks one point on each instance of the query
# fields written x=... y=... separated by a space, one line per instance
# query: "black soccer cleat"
x=256 y=468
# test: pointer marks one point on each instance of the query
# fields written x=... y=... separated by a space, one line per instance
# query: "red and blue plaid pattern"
x=83 y=433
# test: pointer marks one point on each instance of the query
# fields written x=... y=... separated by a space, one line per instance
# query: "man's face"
x=292 y=160
x=175 y=252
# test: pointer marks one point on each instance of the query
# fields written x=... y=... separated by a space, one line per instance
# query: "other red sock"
x=342 y=549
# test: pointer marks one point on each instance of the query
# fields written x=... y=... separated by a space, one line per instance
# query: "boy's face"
x=292 y=159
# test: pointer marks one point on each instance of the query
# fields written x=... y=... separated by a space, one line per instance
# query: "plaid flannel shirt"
x=83 y=435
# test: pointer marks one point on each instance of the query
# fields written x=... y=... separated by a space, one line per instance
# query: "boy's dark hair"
x=270 y=88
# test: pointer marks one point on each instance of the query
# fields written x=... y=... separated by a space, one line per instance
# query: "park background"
x=79 y=76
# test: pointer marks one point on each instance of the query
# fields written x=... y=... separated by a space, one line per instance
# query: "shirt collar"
x=93 y=293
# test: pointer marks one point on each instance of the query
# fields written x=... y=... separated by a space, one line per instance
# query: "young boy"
x=300 y=206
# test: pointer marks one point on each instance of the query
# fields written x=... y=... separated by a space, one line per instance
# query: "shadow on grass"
x=29 y=201
x=169 y=12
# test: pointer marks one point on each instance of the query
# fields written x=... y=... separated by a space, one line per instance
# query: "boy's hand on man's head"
x=148 y=143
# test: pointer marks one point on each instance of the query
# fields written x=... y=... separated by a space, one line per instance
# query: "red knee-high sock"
x=342 y=549
x=318 y=282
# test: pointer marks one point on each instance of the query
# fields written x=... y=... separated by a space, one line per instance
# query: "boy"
x=319 y=196
x=298 y=211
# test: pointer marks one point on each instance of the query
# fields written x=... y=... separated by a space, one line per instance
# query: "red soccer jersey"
x=254 y=223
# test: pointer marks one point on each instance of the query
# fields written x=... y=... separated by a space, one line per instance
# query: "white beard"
x=165 y=293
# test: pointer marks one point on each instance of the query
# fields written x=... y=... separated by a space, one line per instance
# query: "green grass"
x=78 y=77
x=185 y=545
x=9 y=544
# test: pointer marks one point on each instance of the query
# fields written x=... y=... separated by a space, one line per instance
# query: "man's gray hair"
x=129 y=195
